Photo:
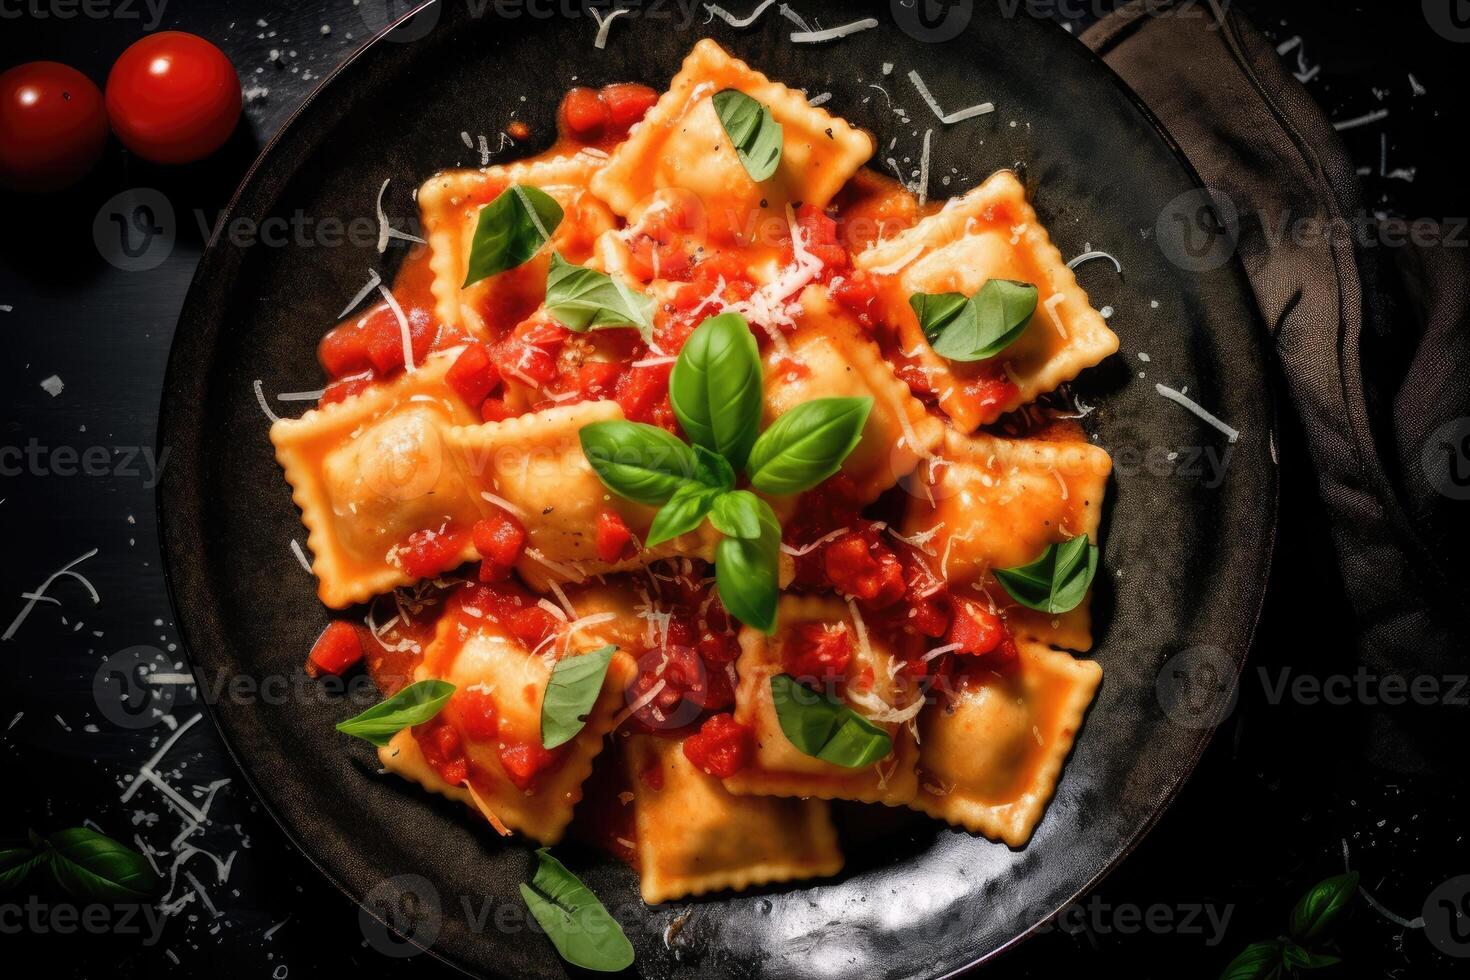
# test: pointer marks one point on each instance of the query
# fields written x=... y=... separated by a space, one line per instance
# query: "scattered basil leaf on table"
x=577 y=924
x=583 y=299
x=807 y=444
x=16 y=865
x=640 y=462
x=747 y=572
x=510 y=230
x=758 y=138
x=980 y=327
x=414 y=705
x=95 y=867
x=684 y=512
x=1320 y=907
x=738 y=514
x=570 y=694
x=716 y=387
x=824 y=727
x=1057 y=582
x=1256 y=962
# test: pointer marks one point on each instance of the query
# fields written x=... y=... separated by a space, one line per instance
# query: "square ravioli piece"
x=992 y=232
x=694 y=837
x=450 y=205
x=829 y=356
x=369 y=472
x=779 y=768
x=535 y=464
x=991 y=754
x=682 y=144
x=998 y=503
x=504 y=773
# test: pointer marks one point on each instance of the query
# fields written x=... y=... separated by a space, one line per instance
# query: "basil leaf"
x=807 y=444
x=747 y=573
x=16 y=865
x=758 y=138
x=998 y=314
x=575 y=683
x=414 y=705
x=1321 y=906
x=824 y=727
x=1317 y=961
x=510 y=230
x=1256 y=962
x=684 y=512
x=739 y=514
x=713 y=470
x=716 y=387
x=1057 y=582
x=639 y=462
x=94 y=867
x=583 y=299
x=577 y=924
x=938 y=310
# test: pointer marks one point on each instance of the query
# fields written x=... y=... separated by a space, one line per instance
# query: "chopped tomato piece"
x=522 y=761
x=495 y=410
x=860 y=566
x=990 y=394
x=613 y=537
x=722 y=746
x=473 y=375
x=532 y=625
x=499 y=539
x=475 y=709
x=427 y=553
x=343 y=350
x=652 y=776
x=584 y=111
x=817 y=651
x=627 y=103
x=383 y=335
x=339 y=647
x=977 y=630
x=857 y=292
x=718 y=647
x=597 y=380
x=443 y=750
x=339 y=391
x=641 y=389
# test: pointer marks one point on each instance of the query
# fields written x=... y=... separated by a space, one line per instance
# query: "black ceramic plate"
x=1188 y=535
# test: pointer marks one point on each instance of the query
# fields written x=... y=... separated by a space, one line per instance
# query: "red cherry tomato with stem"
x=173 y=98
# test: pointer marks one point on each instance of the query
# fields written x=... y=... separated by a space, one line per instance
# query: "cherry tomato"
x=52 y=126
x=173 y=98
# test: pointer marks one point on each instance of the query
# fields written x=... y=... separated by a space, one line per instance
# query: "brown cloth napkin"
x=1370 y=324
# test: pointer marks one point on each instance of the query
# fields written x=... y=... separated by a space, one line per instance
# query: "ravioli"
x=992 y=232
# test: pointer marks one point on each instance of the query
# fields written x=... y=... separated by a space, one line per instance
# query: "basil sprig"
x=979 y=327
x=1056 y=582
x=1312 y=918
x=758 y=138
x=511 y=229
x=414 y=705
x=83 y=863
x=577 y=924
x=825 y=728
x=570 y=694
x=716 y=388
x=807 y=444
x=583 y=299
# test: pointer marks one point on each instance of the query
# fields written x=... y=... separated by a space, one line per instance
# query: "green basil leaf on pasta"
x=936 y=311
x=747 y=573
x=511 y=229
x=414 y=705
x=577 y=924
x=997 y=316
x=684 y=512
x=713 y=470
x=758 y=138
x=1056 y=582
x=638 y=462
x=824 y=728
x=583 y=299
x=716 y=387
x=94 y=867
x=807 y=444
x=740 y=514
x=570 y=694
